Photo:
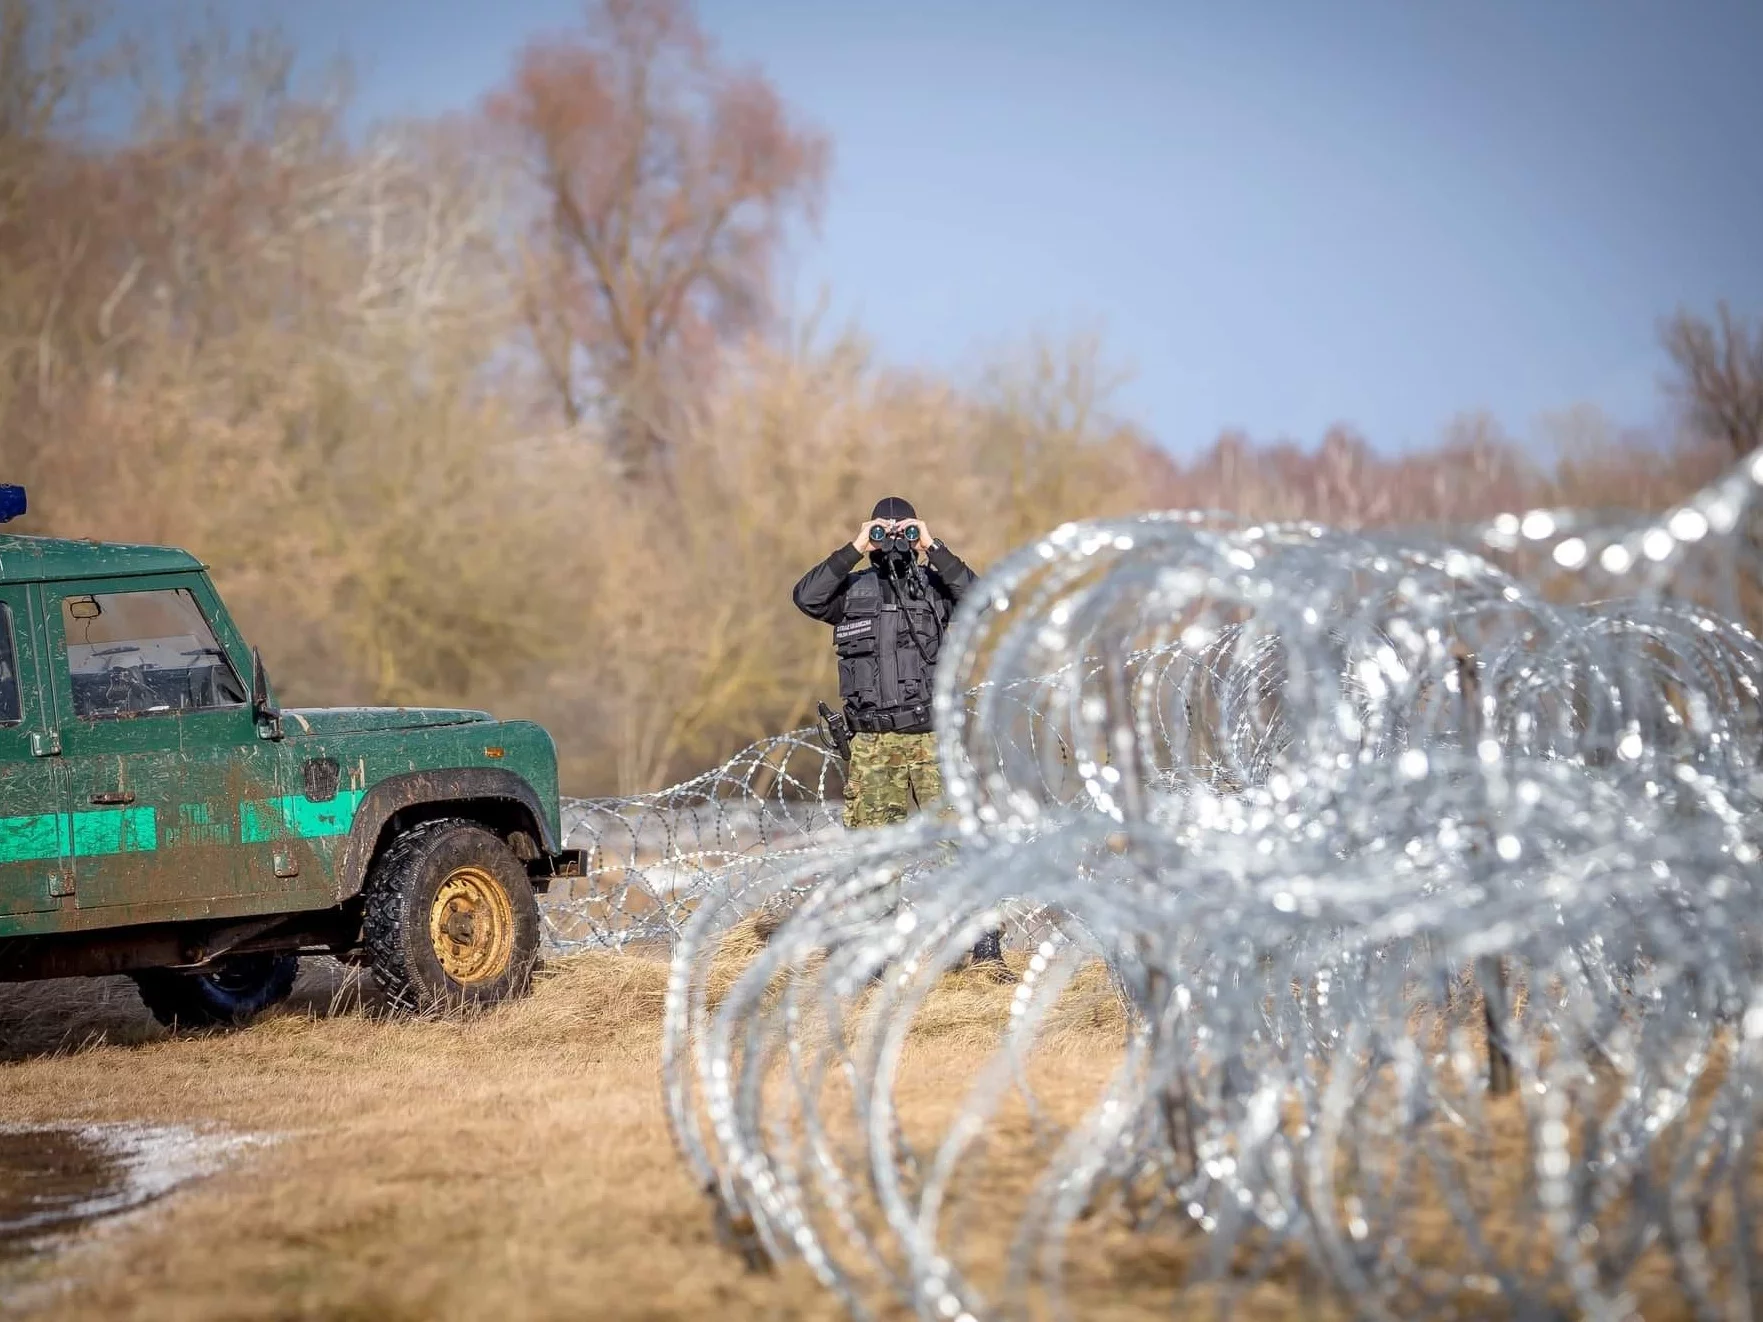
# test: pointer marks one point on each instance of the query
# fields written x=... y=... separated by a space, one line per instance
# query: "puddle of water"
x=57 y=1178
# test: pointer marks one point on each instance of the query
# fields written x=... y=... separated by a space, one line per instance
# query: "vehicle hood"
x=360 y=720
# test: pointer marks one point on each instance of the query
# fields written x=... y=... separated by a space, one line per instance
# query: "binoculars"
x=880 y=535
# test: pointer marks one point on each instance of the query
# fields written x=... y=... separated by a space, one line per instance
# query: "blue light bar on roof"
x=12 y=502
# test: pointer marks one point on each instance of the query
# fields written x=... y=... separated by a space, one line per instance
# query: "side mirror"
x=267 y=715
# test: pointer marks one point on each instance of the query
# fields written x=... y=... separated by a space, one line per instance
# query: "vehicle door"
x=33 y=803
x=161 y=750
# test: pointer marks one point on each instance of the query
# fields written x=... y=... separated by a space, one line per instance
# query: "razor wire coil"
x=1425 y=878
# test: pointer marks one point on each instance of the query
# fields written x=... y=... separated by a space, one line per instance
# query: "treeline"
x=498 y=410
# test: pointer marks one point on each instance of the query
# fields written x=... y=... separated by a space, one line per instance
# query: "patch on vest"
x=853 y=629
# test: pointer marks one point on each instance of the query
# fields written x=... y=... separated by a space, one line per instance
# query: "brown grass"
x=512 y=1166
x=517 y=1165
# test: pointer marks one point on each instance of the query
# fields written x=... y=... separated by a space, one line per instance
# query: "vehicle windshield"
x=131 y=653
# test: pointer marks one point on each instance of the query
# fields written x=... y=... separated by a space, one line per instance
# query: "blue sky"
x=1281 y=213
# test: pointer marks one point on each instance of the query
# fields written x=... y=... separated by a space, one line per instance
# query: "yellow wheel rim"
x=472 y=926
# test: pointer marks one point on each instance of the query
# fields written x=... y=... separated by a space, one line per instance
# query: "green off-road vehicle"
x=161 y=817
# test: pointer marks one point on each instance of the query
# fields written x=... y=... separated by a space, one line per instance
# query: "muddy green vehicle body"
x=157 y=810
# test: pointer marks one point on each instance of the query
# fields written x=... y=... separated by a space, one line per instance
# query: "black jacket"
x=887 y=630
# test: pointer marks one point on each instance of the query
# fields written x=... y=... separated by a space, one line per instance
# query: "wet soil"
x=59 y=1178
x=54 y=1180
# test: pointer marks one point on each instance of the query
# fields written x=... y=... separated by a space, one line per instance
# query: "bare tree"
x=665 y=182
x=1719 y=377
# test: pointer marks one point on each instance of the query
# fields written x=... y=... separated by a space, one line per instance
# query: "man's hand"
x=862 y=542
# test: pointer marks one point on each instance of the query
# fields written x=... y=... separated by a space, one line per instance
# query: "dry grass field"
x=517 y=1165
x=513 y=1166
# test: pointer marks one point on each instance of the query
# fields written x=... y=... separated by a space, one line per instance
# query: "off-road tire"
x=404 y=902
x=232 y=993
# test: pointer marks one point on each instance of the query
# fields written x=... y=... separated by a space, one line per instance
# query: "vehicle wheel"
x=232 y=992
x=450 y=919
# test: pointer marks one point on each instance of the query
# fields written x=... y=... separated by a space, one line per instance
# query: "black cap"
x=893 y=507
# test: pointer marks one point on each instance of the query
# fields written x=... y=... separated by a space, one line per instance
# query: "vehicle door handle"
x=114 y=796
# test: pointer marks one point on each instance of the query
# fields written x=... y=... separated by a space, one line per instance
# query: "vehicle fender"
x=453 y=790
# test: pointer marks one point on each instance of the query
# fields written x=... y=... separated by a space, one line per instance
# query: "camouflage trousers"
x=889 y=776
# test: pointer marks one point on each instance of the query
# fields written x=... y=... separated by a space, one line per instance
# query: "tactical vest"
x=884 y=677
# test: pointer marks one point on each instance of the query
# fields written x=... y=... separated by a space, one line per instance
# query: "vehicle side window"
x=10 y=711
x=135 y=653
